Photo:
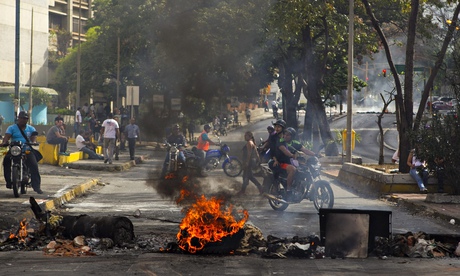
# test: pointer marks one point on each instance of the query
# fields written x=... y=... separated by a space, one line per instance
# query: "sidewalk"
x=418 y=203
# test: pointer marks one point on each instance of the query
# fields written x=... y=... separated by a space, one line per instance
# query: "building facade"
x=38 y=38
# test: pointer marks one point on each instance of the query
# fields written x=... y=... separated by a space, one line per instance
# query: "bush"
x=441 y=139
x=62 y=111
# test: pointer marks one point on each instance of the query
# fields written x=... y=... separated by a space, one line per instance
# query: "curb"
x=106 y=167
x=51 y=204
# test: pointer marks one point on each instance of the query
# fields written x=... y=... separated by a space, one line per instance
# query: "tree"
x=404 y=102
x=310 y=51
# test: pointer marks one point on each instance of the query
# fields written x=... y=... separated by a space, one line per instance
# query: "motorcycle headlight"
x=15 y=150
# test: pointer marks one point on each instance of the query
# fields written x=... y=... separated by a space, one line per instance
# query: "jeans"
x=109 y=146
x=131 y=146
x=31 y=163
x=420 y=177
x=91 y=153
x=61 y=141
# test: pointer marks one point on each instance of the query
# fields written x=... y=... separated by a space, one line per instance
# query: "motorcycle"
x=307 y=184
x=173 y=164
x=231 y=165
x=20 y=175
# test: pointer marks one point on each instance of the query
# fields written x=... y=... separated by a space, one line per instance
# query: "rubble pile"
x=413 y=245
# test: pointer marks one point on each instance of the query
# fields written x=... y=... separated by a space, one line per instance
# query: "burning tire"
x=276 y=190
x=16 y=182
x=233 y=167
x=323 y=196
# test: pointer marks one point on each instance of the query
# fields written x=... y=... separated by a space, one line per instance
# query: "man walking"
x=78 y=121
x=132 y=133
x=111 y=132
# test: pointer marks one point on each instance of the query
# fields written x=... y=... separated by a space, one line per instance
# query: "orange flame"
x=207 y=221
x=22 y=231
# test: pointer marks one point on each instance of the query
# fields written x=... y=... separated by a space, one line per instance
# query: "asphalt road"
x=123 y=193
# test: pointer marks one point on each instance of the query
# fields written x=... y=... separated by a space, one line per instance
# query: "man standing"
x=111 y=132
x=55 y=136
x=84 y=146
x=78 y=121
x=132 y=133
x=15 y=133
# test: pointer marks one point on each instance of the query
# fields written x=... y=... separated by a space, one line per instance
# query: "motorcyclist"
x=203 y=143
x=177 y=138
x=294 y=145
x=265 y=145
x=13 y=132
x=281 y=156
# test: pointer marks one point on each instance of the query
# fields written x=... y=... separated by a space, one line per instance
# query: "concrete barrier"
x=374 y=182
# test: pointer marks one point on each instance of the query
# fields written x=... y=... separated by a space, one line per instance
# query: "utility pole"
x=16 y=60
x=118 y=69
x=30 y=66
x=351 y=35
x=77 y=100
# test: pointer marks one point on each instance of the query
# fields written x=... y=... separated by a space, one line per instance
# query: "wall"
x=40 y=41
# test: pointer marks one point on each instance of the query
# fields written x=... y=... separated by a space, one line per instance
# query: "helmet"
x=206 y=126
x=23 y=114
x=270 y=127
x=292 y=131
x=280 y=122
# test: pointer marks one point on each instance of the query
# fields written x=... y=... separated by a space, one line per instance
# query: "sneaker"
x=105 y=161
x=424 y=190
x=38 y=191
x=64 y=153
x=9 y=186
x=240 y=193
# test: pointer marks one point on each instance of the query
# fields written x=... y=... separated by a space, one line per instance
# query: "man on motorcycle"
x=294 y=145
x=281 y=156
x=179 y=139
x=203 y=142
x=265 y=145
x=14 y=133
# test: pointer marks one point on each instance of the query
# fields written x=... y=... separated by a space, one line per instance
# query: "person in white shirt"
x=111 y=133
x=84 y=146
x=78 y=120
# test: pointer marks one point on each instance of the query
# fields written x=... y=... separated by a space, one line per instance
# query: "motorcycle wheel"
x=24 y=188
x=323 y=196
x=277 y=191
x=233 y=167
x=16 y=183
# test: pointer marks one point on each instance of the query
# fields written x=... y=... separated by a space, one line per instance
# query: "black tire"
x=24 y=188
x=15 y=181
x=323 y=196
x=233 y=167
x=277 y=191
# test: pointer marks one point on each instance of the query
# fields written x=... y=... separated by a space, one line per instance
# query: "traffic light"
x=384 y=72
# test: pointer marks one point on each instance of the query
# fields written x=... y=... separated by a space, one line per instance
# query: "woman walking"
x=250 y=159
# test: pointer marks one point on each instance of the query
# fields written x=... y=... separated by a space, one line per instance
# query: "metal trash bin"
x=351 y=232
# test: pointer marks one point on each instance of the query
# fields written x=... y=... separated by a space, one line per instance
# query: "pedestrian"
x=191 y=130
x=85 y=109
x=235 y=116
x=100 y=113
x=132 y=133
x=250 y=160
x=248 y=114
x=56 y=136
x=111 y=133
x=78 y=121
x=418 y=169
x=83 y=144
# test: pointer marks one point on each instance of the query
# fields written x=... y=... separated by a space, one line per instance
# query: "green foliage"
x=441 y=139
x=39 y=97
x=62 y=111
